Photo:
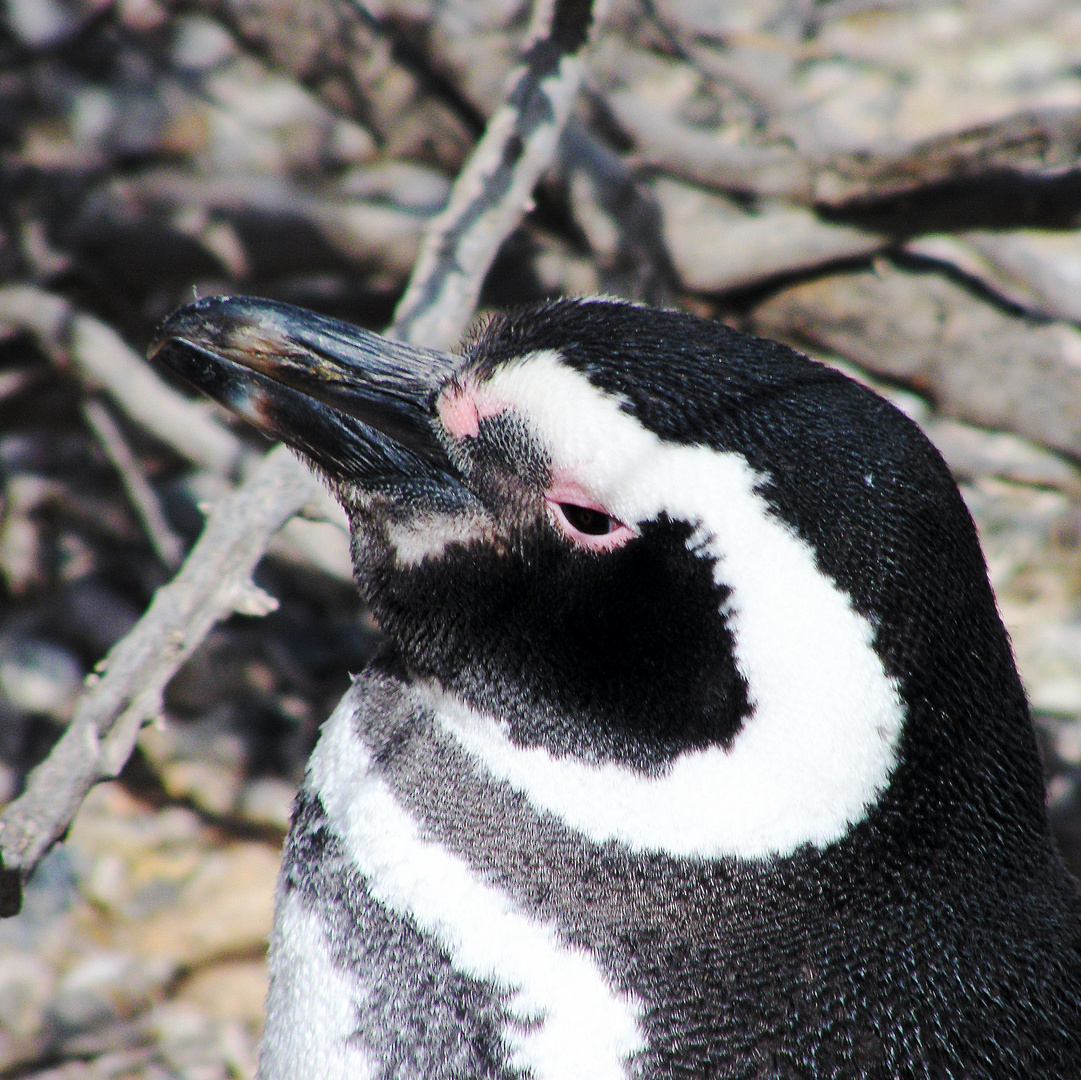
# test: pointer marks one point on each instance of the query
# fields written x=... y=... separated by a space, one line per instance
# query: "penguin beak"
x=358 y=405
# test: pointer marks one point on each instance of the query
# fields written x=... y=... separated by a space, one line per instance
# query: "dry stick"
x=495 y=186
x=339 y=51
x=1034 y=143
x=664 y=143
x=115 y=705
x=106 y=362
x=142 y=496
x=487 y=202
x=620 y=218
x=77 y=341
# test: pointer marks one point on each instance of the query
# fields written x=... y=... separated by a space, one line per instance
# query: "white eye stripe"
x=822 y=741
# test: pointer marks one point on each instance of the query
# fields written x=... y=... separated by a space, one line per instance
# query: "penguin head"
x=646 y=562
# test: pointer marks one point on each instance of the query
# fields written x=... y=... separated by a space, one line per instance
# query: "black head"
x=632 y=535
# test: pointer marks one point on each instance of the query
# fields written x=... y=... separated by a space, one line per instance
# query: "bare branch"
x=106 y=362
x=1035 y=269
x=494 y=187
x=165 y=542
x=119 y=700
x=1033 y=143
x=341 y=53
x=717 y=246
x=619 y=217
x=374 y=218
x=770 y=171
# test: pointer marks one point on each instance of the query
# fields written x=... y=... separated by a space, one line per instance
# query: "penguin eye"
x=588 y=526
x=586 y=520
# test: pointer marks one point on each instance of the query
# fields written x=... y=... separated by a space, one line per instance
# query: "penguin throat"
x=746 y=802
x=625 y=657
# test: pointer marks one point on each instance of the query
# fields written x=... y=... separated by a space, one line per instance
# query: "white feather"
x=429 y=536
x=573 y=1022
x=312 y=1004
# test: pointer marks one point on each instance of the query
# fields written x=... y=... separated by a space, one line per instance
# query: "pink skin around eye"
x=461 y=413
x=573 y=494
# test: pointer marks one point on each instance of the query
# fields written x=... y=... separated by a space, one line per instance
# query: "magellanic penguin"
x=697 y=748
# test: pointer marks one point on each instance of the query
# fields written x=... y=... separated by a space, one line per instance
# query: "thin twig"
x=377 y=228
x=495 y=185
x=822 y=14
x=716 y=246
x=1036 y=143
x=144 y=501
x=117 y=702
x=345 y=57
x=619 y=217
x=663 y=143
x=106 y=362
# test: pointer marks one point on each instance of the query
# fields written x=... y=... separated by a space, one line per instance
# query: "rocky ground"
x=892 y=186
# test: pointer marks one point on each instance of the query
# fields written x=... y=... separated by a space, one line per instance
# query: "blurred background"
x=892 y=186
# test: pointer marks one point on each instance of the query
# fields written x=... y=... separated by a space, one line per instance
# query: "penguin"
x=696 y=748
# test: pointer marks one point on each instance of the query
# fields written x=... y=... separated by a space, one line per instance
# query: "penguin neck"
x=860 y=928
x=767 y=795
x=796 y=735
x=948 y=767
